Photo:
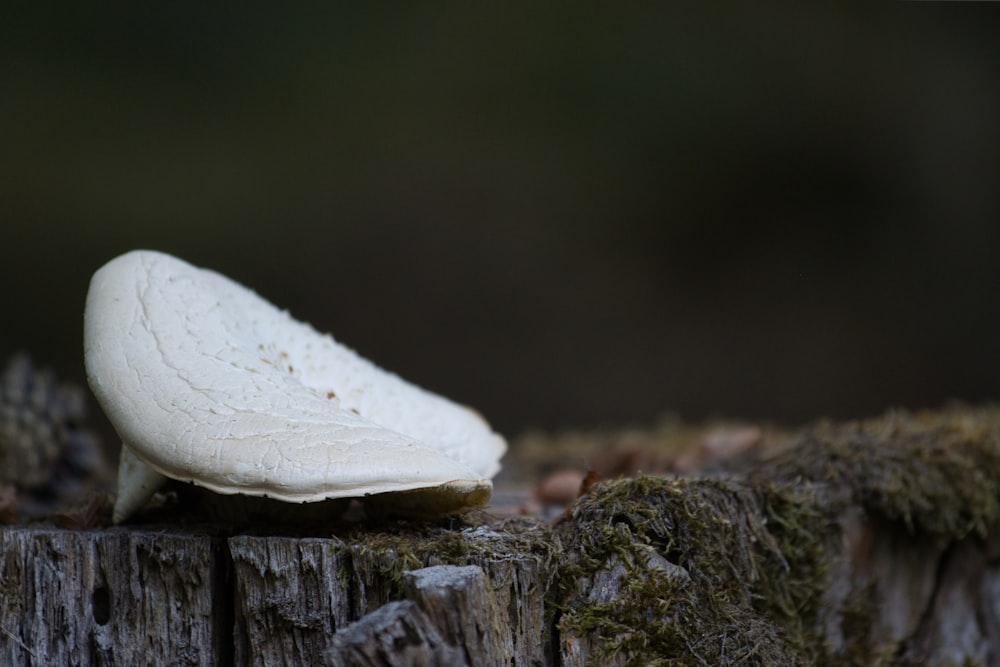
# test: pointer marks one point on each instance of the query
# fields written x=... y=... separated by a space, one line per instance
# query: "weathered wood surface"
x=112 y=597
x=138 y=597
x=924 y=601
x=291 y=595
x=122 y=596
x=447 y=620
x=295 y=597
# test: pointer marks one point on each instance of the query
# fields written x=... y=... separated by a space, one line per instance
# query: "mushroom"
x=208 y=383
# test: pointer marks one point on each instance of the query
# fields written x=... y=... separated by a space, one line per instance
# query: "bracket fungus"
x=208 y=383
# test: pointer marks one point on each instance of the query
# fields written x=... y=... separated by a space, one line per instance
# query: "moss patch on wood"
x=936 y=472
x=732 y=570
x=400 y=546
x=715 y=571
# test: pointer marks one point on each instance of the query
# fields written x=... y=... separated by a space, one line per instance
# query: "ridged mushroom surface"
x=206 y=382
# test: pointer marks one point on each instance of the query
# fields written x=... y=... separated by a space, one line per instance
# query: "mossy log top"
x=862 y=543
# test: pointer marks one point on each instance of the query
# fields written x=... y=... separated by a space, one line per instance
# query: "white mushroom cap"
x=208 y=383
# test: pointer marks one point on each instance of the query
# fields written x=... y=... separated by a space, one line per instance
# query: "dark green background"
x=562 y=215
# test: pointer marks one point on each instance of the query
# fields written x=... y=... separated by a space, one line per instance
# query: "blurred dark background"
x=563 y=216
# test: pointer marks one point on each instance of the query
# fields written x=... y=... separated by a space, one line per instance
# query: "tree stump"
x=858 y=544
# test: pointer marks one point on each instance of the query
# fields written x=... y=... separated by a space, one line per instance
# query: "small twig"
x=20 y=643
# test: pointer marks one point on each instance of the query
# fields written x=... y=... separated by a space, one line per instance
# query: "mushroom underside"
x=139 y=482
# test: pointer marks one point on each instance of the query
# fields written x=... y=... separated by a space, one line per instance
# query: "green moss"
x=744 y=573
x=343 y=574
x=747 y=556
x=937 y=473
x=397 y=547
